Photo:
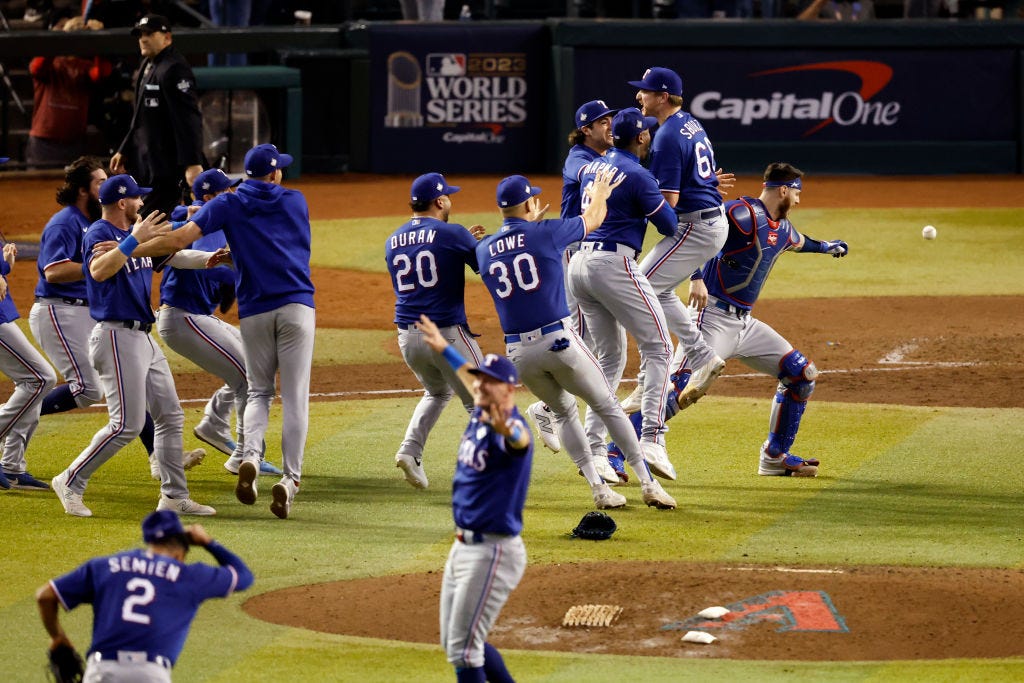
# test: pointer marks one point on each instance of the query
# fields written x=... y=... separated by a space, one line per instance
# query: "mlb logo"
x=446 y=64
x=773 y=239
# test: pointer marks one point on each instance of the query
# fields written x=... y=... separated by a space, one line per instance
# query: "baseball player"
x=132 y=368
x=33 y=378
x=427 y=259
x=611 y=290
x=143 y=600
x=59 y=319
x=759 y=233
x=492 y=476
x=189 y=295
x=521 y=267
x=683 y=162
x=268 y=233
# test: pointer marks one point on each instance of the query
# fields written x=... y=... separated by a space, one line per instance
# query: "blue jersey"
x=522 y=267
x=490 y=483
x=683 y=161
x=427 y=259
x=125 y=296
x=61 y=242
x=267 y=228
x=755 y=242
x=145 y=602
x=197 y=291
x=632 y=203
x=579 y=156
x=8 y=311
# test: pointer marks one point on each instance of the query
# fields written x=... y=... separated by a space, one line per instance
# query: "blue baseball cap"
x=262 y=160
x=430 y=186
x=160 y=525
x=514 y=190
x=592 y=111
x=121 y=186
x=629 y=123
x=212 y=181
x=498 y=367
x=660 y=79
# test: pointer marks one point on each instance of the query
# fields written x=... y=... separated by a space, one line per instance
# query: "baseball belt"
x=130 y=657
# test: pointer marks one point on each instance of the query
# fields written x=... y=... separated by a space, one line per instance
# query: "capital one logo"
x=848 y=108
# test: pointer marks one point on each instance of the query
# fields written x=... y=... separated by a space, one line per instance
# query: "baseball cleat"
x=71 y=501
x=605 y=498
x=5 y=483
x=185 y=506
x=631 y=404
x=618 y=462
x=154 y=467
x=266 y=467
x=26 y=482
x=787 y=465
x=655 y=496
x=245 y=487
x=413 y=469
x=544 y=419
x=190 y=459
x=605 y=469
x=223 y=443
x=283 y=495
x=656 y=458
x=700 y=381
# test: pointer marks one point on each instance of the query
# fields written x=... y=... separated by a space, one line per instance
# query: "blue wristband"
x=453 y=357
x=128 y=245
x=515 y=434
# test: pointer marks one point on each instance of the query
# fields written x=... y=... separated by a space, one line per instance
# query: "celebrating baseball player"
x=268 y=232
x=143 y=600
x=60 y=319
x=521 y=267
x=189 y=295
x=683 y=162
x=427 y=259
x=132 y=368
x=610 y=289
x=759 y=233
x=492 y=475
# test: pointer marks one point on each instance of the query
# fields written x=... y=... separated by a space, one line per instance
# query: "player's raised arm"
x=436 y=341
x=838 y=248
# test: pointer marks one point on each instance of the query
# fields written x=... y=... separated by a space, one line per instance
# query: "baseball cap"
x=160 y=525
x=429 y=187
x=150 y=24
x=514 y=190
x=212 y=181
x=592 y=111
x=121 y=187
x=629 y=123
x=498 y=367
x=660 y=79
x=262 y=160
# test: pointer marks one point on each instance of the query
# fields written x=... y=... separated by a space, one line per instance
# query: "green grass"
x=894 y=489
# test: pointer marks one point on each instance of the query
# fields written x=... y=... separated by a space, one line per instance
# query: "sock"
x=146 y=435
x=475 y=675
x=58 y=400
x=494 y=666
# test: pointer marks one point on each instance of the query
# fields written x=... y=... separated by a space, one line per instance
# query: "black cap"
x=151 y=23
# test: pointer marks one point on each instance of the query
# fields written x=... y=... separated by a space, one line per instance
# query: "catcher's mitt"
x=66 y=665
x=595 y=526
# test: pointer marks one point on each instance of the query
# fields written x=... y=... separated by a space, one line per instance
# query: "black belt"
x=547 y=329
x=68 y=300
x=616 y=247
x=133 y=325
x=473 y=537
x=732 y=310
x=130 y=657
x=711 y=213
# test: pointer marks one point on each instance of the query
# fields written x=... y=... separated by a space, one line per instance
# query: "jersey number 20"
x=426 y=270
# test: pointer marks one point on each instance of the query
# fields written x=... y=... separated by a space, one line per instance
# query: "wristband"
x=453 y=357
x=127 y=245
x=516 y=433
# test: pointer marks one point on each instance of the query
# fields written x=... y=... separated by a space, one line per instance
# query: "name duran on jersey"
x=412 y=238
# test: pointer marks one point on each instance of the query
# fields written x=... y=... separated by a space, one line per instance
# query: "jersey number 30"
x=142 y=593
x=426 y=270
x=524 y=268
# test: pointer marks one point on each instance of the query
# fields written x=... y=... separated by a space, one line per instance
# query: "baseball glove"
x=66 y=665
x=595 y=526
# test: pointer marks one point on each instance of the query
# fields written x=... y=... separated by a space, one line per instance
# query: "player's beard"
x=444 y=215
x=131 y=214
x=93 y=209
x=783 y=209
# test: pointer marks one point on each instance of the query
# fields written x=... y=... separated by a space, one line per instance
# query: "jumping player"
x=492 y=476
x=132 y=368
x=427 y=259
x=521 y=267
x=143 y=600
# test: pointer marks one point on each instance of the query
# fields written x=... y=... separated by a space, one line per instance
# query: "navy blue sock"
x=475 y=675
x=58 y=400
x=146 y=435
x=494 y=666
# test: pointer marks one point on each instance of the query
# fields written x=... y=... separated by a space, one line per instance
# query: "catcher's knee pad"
x=797 y=374
x=796 y=383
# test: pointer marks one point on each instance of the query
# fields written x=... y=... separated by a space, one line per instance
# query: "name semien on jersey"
x=147 y=566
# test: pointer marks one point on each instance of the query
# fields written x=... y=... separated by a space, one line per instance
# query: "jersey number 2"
x=426 y=270
x=142 y=593
x=526 y=274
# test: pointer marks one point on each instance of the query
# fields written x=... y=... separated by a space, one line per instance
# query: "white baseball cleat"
x=185 y=506
x=544 y=419
x=283 y=494
x=700 y=381
x=605 y=498
x=413 y=469
x=245 y=487
x=207 y=434
x=786 y=465
x=631 y=404
x=655 y=496
x=190 y=459
x=71 y=501
x=154 y=467
x=656 y=458
x=605 y=469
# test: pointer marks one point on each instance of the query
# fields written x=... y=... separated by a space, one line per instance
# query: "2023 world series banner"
x=457 y=98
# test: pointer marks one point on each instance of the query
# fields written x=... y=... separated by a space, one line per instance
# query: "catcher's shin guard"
x=796 y=382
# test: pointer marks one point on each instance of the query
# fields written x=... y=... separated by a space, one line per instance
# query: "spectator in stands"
x=63 y=87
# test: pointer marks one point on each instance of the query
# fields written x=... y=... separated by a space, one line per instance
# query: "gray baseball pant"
x=62 y=331
x=32 y=377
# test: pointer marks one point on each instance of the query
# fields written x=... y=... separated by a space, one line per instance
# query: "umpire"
x=164 y=144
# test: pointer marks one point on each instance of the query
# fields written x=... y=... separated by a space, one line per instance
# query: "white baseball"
x=929 y=232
